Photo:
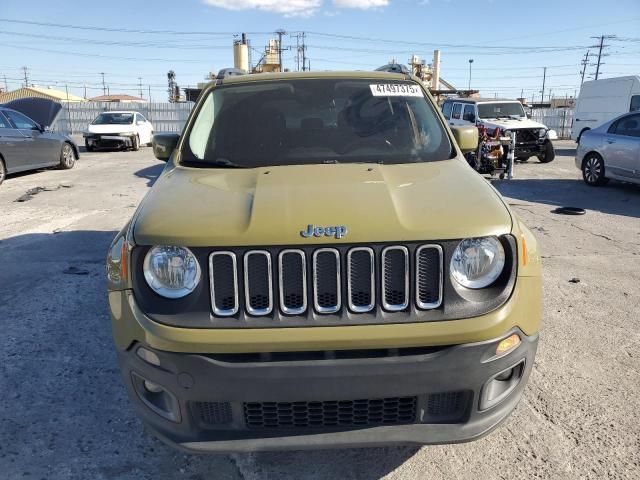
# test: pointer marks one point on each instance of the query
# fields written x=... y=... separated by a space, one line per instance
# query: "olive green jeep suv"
x=318 y=266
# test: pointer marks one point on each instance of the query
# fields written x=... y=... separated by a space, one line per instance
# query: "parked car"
x=317 y=265
x=611 y=150
x=532 y=138
x=118 y=129
x=27 y=143
x=601 y=100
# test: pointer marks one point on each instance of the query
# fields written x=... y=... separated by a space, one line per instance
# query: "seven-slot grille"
x=325 y=280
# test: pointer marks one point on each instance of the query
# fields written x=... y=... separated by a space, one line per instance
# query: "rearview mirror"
x=466 y=138
x=164 y=144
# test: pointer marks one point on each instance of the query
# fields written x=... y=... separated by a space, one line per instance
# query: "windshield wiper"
x=225 y=163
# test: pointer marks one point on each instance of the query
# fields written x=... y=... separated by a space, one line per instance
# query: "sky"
x=69 y=44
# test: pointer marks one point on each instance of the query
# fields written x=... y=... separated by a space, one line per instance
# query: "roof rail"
x=394 y=68
x=230 y=72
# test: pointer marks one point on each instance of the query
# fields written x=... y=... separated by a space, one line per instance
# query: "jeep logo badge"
x=338 y=231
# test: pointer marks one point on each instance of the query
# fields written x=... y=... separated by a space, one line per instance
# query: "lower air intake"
x=339 y=413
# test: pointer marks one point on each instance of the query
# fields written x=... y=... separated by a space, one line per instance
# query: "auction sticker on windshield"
x=395 y=90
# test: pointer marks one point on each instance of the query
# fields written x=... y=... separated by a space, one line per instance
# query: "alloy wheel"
x=593 y=170
x=67 y=155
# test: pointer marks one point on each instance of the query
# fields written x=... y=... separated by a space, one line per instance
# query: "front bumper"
x=219 y=402
x=108 y=140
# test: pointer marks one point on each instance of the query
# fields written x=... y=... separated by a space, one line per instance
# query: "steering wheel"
x=366 y=142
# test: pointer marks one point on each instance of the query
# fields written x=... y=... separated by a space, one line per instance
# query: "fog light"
x=148 y=356
x=152 y=387
x=508 y=344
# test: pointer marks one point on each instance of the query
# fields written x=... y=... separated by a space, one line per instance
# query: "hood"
x=271 y=206
x=40 y=110
x=111 y=128
x=510 y=123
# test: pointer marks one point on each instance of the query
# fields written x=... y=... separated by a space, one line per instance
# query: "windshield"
x=316 y=121
x=499 y=110
x=114 y=119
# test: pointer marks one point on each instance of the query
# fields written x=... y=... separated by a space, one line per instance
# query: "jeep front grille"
x=292 y=281
x=258 y=283
x=223 y=277
x=395 y=278
x=326 y=280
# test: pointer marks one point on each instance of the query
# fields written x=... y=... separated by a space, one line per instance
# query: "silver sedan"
x=611 y=151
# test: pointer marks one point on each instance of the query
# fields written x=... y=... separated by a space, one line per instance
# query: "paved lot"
x=64 y=414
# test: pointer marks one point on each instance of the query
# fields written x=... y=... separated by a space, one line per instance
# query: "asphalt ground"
x=64 y=413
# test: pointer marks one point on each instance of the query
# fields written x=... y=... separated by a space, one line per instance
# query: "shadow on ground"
x=151 y=173
x=615 y=198
x=65 y=413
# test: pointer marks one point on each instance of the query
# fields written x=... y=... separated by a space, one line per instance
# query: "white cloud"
x=288 y=8
x=361 y=4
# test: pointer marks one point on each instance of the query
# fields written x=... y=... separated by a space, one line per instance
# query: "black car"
x=26 y=143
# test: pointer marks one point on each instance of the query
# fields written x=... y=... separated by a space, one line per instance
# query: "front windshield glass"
x=316 y=121
x=500 y=110
x=114 y=119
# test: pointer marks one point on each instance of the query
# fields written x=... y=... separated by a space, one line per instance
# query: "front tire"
x=87 y=146
x=135 y=143
x=67 y=157
x=593 y=170
x=3 y=171
x=549 y=153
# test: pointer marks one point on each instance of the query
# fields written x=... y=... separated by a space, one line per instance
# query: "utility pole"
x=297 y=52
x=85 y=91
x=304 y=54
x=6 y=87
x=470 y=62
x=140 y=83
x=280 y=33
x=301 y=51
x=544 y=80
x=602 y=38
x=149 y=93
x=104 y=86
x=25 y=70
x=584 y=63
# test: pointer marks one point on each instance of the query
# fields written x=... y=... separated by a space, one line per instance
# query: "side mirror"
x=39 y=127
x=139 y=122
x=164 y=144
x=466 y=138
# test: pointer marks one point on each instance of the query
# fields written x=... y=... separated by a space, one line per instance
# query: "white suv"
x=532 y=138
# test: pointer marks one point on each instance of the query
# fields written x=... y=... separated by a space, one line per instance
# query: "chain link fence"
x=558 y=119
x=165 y=117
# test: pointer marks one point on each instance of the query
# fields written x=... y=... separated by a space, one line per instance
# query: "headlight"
x=172 y=272
x=127 y=134
x=542 y=132
x=506 y=133
x=477 y=262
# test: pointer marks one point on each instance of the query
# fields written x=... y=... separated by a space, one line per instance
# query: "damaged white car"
x=118 y=129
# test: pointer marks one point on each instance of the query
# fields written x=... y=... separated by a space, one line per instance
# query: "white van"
x=601 y=100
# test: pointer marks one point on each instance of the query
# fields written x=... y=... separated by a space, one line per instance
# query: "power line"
x=91 y=41
x=125 y=30
x=80 y=54
x=438 y=44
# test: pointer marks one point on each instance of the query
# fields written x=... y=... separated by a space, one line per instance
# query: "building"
x=120 y=98
x=40 y=92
